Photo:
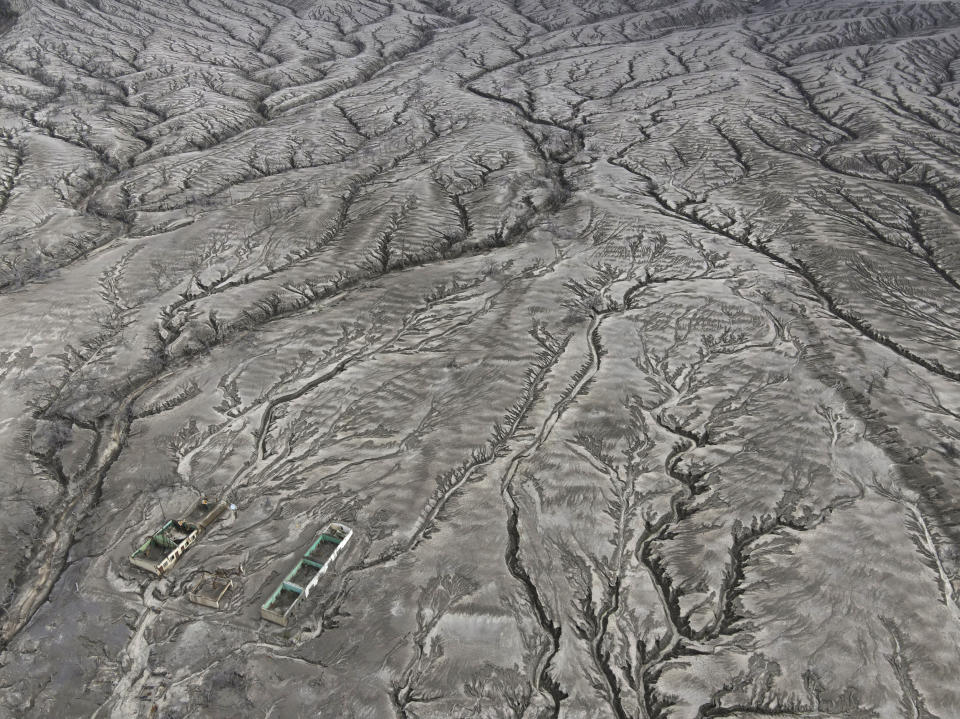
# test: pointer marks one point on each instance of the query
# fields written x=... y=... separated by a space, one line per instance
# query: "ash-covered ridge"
x=622 y=333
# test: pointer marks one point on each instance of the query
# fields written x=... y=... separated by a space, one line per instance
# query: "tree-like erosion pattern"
x=625 y=334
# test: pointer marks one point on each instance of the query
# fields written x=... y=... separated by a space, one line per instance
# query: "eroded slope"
x=623 y=333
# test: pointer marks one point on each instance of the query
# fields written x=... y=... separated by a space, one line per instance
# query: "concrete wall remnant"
x=306 y=573
x=162 y=550
x=210 y=590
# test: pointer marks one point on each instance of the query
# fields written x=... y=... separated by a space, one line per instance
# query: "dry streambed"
x=622 y=334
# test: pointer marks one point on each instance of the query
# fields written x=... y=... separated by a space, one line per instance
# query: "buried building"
x=305 y=573
x=162 y=550
x=210 y=590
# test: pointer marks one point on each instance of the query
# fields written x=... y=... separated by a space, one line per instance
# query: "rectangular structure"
x=210 y=590
x=164 y=548
x=161 y=551
x=279 y=606
x=306 y=573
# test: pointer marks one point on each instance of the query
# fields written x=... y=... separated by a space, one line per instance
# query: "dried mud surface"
x=623 y=333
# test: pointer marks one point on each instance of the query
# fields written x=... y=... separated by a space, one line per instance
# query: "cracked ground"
x=625 y=334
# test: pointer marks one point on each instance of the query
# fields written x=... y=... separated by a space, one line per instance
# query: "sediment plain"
x=625 y=334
